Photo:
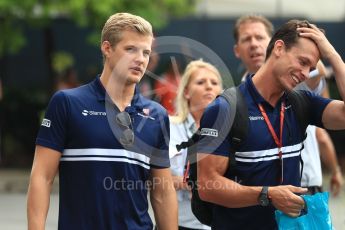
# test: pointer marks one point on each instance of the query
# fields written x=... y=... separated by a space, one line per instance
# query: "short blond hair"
x=252 y=18
x=120 y=22
x=181 y=103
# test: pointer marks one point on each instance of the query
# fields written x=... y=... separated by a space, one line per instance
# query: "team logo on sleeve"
x=209 y=132
x=146 y=111
x=46 y=123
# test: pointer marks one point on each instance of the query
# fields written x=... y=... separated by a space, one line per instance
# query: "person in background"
x=199 y=85
x=166 y=86
x=318 y=143
x=252 y=34
x=108 y=142
x=146 y=84
x=68 y=79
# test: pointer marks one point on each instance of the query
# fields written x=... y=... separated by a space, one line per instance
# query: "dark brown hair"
x=288 y=34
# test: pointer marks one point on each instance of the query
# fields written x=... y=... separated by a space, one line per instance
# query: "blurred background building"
x=314 y=10
x=60 y=43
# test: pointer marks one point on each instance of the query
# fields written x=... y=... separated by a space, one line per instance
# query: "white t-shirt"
x=312 y=172
x=180 y=132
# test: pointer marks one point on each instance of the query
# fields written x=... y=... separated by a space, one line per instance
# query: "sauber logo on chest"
x=255 y=118
x=209 y=132
x=93 y=113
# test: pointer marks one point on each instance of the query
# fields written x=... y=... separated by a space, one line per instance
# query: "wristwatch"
x=263 y=197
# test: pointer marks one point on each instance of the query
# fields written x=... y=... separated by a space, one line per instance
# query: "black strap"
x=191 y=141
x=301 y=106
x=239 y=128
x=302 y=163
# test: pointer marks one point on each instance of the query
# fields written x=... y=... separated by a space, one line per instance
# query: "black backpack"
x=203 y=210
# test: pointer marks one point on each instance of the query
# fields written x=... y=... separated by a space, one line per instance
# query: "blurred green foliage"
x=20 y=108
x=61 y=61
x=85 y=13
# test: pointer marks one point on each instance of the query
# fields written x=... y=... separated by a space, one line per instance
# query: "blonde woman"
x=199 y=86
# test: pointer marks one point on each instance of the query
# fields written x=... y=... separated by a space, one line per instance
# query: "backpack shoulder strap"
x=191 y=141
x=239 y=128
x=239 y=125
x=300 y=105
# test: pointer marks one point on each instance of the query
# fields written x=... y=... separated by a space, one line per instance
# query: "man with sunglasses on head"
x=267 y=163
x=109 y=143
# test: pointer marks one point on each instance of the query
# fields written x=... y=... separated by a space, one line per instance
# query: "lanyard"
x=279 y=142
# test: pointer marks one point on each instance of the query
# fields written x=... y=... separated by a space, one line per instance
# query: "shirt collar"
x=253 y=91
x=257 y=98
x=136 y=105
x=190 y=123
x=98 y=88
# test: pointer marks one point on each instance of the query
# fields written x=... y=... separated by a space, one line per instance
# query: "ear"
x=279 y=48
x=186 y=94
x=106 y=48
x=236 y=51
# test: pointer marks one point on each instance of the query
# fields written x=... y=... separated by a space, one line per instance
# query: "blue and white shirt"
x=102 y=184
x=257 y=159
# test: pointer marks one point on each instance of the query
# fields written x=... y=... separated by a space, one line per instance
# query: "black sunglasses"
x=124 y=120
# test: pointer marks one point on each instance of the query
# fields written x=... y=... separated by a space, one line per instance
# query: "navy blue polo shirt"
x=103 y=185
x=257 y=159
